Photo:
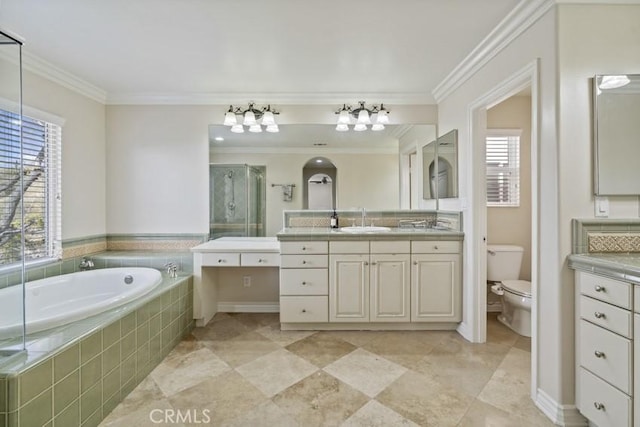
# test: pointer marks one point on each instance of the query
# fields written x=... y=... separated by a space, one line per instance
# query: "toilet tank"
x=503 y=262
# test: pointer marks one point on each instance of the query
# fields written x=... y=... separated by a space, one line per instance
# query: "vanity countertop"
x=321 y=233
x=623 y=266
x=239 y=244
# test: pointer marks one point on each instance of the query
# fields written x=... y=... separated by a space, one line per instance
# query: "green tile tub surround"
x=581 y=228
x=82 y=382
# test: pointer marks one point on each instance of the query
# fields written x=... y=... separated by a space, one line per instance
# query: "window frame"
x=53 y=182
x=514 y=184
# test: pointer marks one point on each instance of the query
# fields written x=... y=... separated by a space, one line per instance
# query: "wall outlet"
x=246 y=281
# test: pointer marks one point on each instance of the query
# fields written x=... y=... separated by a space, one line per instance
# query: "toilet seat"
x=517 y=287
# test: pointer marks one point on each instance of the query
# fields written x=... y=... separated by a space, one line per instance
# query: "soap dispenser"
x=334 y=219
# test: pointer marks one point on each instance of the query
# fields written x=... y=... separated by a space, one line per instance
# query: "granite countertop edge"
x=317 y=233
x=621 y=266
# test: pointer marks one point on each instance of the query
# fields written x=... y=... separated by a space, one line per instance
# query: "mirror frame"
x=611 y=138
x=434 y=158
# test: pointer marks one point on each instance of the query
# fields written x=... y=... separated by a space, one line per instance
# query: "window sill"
x=15 y=268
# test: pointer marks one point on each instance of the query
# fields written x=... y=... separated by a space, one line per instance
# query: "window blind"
x=503 y=170
x=40 y=194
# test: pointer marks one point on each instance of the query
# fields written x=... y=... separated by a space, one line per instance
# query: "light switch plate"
x=602 y=206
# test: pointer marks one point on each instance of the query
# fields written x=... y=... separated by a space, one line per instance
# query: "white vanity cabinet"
x=605 y=350
x=304 y=282
x=369 y=281
x=436 y=285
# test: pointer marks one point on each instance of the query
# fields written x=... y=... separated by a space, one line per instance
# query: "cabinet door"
x=636 y=369
x=349 y=288
x=390 y=288
x=436 y=288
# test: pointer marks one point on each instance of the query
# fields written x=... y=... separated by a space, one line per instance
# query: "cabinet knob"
x=262 y=260
x=220 y=260
x=304 y=248
x=435 y=247
x=599 y=288
x=304 y=283
x=599 y=315
x=304 y=262
x=304 y=310
x=599 y=354
x=366 y=263
x=374 y=263
x=415 y=262
x=599 y=406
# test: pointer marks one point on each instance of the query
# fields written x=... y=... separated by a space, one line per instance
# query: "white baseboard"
x=464 y=330
x=249 y=307
x=562 y=415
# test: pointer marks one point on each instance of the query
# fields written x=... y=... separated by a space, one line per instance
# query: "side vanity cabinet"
x=606 y=377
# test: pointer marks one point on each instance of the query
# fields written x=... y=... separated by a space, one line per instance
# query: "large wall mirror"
x=440 y=167
x=616 y=124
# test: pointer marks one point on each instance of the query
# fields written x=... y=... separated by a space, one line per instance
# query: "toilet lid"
x=518 y=287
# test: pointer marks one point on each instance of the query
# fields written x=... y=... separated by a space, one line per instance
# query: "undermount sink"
x=365 y=229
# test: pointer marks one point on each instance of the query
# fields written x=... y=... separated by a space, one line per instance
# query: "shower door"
x=236 y=200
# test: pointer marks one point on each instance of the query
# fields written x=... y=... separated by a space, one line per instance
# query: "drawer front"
x=636 y=299
x=349 y=247
x=304 y=281
x=607 y=355
x=313 y=247
x=220 y=259
x=608 y=290
x=606 y=315
x=304 y=261
x=303 y=309
x=435 y=247
x=393 y=247
x=260 y=259
x=602 y=404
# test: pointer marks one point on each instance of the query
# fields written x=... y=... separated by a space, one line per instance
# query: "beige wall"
x=512 y=225
x=363 y=180
x=83 y=152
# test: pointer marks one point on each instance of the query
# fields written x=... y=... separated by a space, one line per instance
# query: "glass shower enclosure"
x=237 y=201
x=12 y=213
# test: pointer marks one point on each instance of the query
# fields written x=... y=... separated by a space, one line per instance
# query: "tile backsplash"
x=605 y=236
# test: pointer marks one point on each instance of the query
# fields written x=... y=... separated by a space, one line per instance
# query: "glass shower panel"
x=236 y=201
x=11 y=212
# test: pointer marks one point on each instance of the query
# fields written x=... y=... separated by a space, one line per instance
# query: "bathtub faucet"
x=85 y=264
x=172 y=269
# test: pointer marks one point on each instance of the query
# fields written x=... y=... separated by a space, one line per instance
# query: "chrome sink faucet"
x=85 y=264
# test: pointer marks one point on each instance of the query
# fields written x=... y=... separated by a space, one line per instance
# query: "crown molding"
x=523 y=16
x=279 y=98
x=45 y=69
x=302 y=150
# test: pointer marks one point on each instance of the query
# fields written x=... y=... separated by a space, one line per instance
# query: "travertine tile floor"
x=241 y=370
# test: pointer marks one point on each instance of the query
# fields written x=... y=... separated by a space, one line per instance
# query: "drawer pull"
x=435 y=247
x=599 y=315
x=261 y=260
x=304 y=248
x=599 y=288
x=374 y=263
x=599 y=406
x=221 y=260
x=304 y=262
x=366 y=263
x=599 y=354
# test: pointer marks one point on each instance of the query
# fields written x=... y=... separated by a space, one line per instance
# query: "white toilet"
x=503 y=270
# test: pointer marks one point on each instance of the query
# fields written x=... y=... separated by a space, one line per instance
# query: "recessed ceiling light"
x=219 y=138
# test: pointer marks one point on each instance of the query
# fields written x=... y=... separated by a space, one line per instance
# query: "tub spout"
x=172 y=269
x=85 y=264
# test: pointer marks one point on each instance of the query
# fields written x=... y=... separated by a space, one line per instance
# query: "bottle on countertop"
x=334 y=219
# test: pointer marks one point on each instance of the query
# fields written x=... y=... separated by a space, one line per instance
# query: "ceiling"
x=379 y=51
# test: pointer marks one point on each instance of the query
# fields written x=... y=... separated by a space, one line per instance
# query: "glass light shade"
x=344 y=118
x=249 y=119
x=363 y=117
x=230 y=118
x=268 y=118
x=256 y=128
x=382 y=117
x=237 y=128
x=613 y=82
x=342 y=127
x=377 y=127
x=359 y=127
x=273 y=128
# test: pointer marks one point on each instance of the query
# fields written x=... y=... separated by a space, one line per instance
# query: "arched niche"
x=319 y=176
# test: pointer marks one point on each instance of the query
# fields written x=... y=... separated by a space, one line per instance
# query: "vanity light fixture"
x=613 y=82
x=252 y=117
x=363 y=117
